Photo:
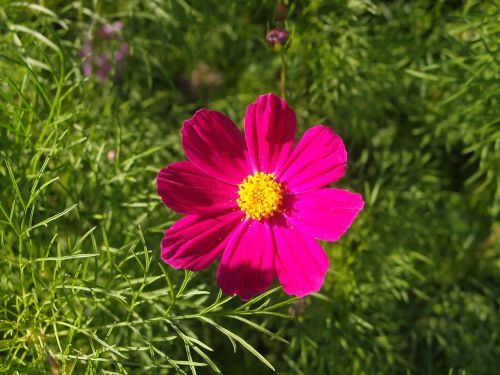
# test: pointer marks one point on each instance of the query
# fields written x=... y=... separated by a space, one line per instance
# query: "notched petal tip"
x=270 y=96
x=270 y=131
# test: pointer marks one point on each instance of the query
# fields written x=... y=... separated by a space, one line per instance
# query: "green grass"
x=412 y=87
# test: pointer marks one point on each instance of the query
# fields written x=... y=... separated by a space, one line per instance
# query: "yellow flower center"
x=260 y=196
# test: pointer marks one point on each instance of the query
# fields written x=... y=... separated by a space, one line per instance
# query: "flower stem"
x=283 y=75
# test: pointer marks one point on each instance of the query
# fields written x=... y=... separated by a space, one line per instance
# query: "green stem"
x=283 y=75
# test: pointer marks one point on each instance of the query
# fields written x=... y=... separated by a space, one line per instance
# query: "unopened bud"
x=298 y=308
x=277 y=38
x=281 y=12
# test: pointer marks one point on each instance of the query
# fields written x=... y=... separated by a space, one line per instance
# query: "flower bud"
x=298 y=307
x=281 y=12
x=277 y=38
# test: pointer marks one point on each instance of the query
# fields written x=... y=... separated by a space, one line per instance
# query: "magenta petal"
x=325 y=214
x=301 y=264
x=247 y=265
x=216 y=146
x=270 y=131
x=318 y=159
x=194 y=242
x=187 y=190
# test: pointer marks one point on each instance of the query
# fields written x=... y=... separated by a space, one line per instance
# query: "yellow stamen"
x=260 y=196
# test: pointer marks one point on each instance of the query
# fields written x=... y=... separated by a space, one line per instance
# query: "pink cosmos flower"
x=259 y=204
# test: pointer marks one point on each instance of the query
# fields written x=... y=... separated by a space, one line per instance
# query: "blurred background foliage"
x=411 y=86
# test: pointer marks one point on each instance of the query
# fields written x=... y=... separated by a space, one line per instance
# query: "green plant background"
x=411 y=86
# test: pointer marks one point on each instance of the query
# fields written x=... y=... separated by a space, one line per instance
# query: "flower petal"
x=301 y=263
x=187 y=190
x=216 y=146
x=194 y=242
x=318 y=159
x=269 y=130
x=247 y=265
x=325 y=214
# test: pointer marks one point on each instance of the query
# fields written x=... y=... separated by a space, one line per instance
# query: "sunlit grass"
x=410 y=86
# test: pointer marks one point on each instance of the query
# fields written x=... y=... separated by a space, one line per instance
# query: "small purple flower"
x=87 y=68
x=104 y=53
x=86 y=49
x=103 y=67
x=122 y=52
x=108 y=30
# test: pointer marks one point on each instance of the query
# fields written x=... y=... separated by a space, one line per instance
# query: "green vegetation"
x=411 y=86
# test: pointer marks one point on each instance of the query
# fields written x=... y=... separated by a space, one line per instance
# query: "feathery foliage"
x=412 y=87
